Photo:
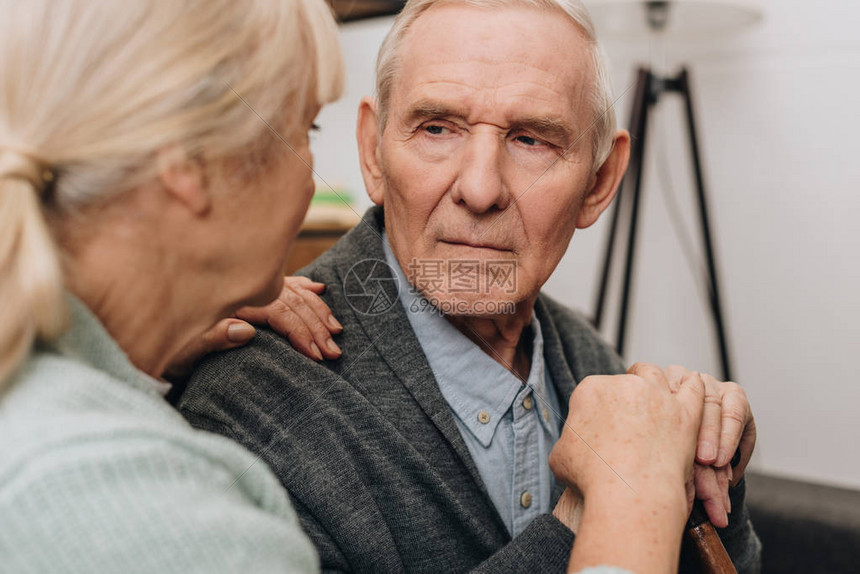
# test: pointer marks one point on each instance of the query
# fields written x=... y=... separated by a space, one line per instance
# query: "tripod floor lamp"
x=659 y=18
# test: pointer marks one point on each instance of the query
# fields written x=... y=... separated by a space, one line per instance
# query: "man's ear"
x=606 y=181
x=183 y=178
x=369 y=156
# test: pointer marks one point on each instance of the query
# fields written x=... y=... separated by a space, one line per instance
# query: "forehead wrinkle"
x=545 y=122
x=471 y=40
x=494 y=93
x=503 y=89
x=442 y=98
x=483 y=74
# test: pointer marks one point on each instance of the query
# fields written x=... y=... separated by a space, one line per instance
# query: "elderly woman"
x=154 y=167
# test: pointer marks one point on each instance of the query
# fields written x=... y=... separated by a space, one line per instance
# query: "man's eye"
x=527 y=140
x=435 y=130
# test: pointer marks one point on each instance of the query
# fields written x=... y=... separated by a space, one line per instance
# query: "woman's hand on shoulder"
x=299 y=314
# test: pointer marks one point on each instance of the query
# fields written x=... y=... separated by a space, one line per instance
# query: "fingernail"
x=316 y=352
x=240 y=333
x=332 y=346
x=334 y=323
x=707 y=451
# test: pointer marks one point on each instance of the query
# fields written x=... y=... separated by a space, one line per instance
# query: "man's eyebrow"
x=427 y=109
x=551 y=128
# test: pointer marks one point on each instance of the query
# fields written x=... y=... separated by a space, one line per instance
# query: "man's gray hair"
x=601 y=100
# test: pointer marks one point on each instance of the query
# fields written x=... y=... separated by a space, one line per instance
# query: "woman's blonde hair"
x=601 y=100
x=90 y=90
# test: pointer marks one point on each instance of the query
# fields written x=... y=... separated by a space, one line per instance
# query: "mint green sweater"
x=98 y=473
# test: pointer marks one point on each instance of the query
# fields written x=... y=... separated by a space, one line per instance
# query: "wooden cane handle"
x=713 y=557
x=712 y=554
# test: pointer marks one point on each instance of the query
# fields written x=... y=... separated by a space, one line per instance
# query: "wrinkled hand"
x=727 y=424
x=298 y=314
x=629 y=445
x=631 y=428
x=301 y=316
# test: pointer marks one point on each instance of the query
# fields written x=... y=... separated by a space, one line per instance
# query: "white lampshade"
x=686 y=18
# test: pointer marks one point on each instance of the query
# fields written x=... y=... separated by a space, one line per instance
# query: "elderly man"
x=424 y=447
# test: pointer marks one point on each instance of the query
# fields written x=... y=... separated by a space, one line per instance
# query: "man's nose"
x=480 y=183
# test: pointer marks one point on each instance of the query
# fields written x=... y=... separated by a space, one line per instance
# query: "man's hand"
x=298 y=314
x=727 y=426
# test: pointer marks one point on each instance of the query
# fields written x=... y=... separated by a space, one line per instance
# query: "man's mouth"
x=475 y=244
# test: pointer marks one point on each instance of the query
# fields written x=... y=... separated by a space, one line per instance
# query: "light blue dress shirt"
x=509 y=427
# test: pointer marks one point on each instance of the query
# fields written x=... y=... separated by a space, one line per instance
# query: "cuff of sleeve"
x=548 y=543
x=544 y=546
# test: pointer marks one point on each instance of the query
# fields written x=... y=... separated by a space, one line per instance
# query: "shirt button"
x=483 y=417
x=526 y=499
x=546 y=415
x=528 y=403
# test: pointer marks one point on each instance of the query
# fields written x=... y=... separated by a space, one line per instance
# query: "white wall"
x=779 y=121
x=335 y=155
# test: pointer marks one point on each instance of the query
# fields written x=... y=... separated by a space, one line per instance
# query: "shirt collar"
x=478 y=388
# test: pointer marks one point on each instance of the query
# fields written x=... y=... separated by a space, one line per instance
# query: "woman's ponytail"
x=32 y=304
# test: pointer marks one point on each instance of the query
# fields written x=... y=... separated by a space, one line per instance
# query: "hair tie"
x=19 y=163
x=49 y=176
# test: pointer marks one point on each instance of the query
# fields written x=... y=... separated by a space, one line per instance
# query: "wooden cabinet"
x=313 y=240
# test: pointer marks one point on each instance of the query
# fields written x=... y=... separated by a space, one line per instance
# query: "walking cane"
x=713 y=557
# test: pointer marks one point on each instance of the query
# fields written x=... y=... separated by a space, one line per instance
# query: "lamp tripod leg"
x=626 y=204
x=639 y=131
x=704 y=221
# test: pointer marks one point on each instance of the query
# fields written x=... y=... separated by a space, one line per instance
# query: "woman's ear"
x=184 y=179
x=369 y=156
x=605 y=181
